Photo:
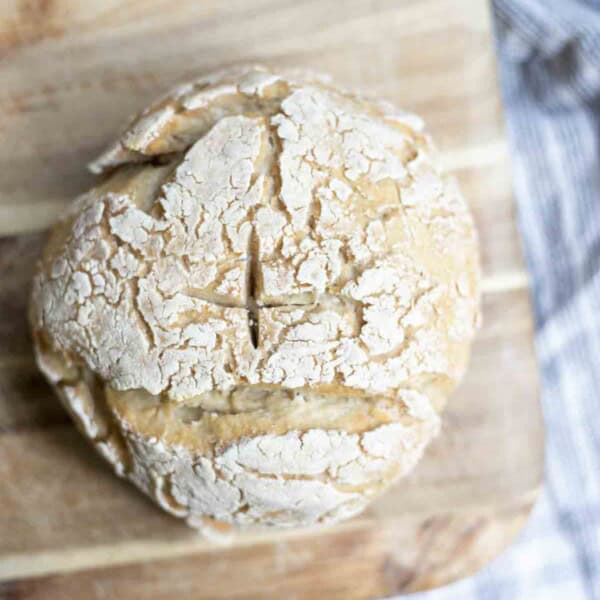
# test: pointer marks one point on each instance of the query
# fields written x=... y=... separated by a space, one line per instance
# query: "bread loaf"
x=258 y=313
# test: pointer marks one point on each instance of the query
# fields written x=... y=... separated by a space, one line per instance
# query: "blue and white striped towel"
x=549 y=57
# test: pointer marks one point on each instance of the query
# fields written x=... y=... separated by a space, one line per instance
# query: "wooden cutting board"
x=71 y=73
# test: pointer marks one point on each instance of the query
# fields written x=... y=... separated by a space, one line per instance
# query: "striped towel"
x=549 y=57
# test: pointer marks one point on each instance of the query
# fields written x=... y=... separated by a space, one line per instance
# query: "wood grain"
x=66 y=92
x=72 y=71
x=354 y=561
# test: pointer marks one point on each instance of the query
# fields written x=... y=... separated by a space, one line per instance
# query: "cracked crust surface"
x=259 y=312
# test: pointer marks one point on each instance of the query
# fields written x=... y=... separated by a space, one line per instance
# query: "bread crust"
x=258 y=314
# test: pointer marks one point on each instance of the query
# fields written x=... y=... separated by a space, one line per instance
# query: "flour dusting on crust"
x=279 y=269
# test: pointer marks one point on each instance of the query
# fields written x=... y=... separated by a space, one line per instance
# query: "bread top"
x=263 y=231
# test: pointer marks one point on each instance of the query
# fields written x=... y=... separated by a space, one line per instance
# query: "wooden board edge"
x=477 y=552
x=459 y=545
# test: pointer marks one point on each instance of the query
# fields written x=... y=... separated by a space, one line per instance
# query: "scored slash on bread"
x=259 y=312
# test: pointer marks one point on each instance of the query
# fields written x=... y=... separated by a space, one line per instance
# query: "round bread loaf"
x=258 y=313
